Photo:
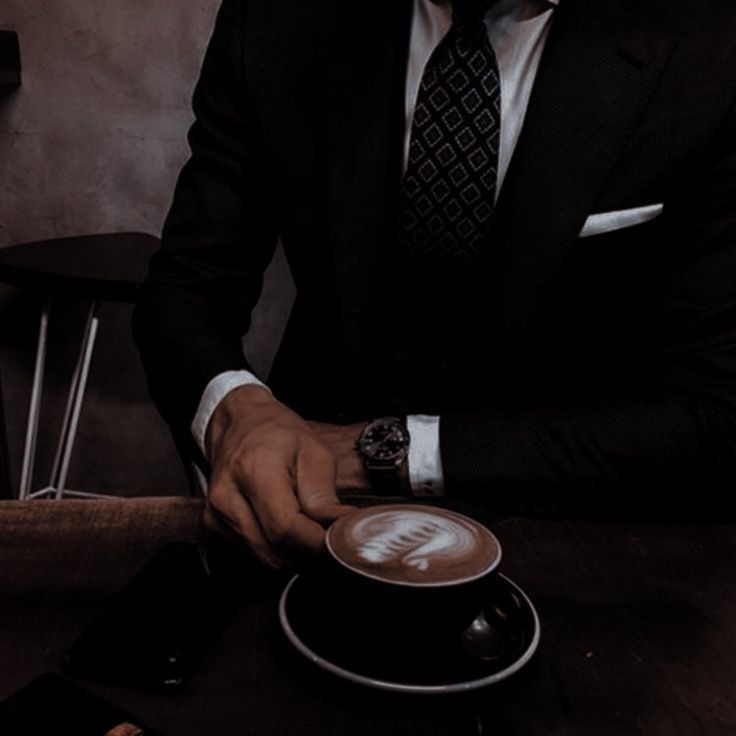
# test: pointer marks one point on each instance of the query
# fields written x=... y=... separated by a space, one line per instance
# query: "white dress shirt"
x=517 y=30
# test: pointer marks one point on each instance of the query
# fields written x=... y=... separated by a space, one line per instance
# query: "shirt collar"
x=513 y=7
x=448 y=2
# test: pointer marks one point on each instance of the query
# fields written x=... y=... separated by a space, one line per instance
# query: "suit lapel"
x=599 y=68
x=363 y=49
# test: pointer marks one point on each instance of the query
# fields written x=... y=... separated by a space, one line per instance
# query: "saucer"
x=318 y=623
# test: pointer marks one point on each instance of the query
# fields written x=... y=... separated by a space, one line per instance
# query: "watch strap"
x=386 y=481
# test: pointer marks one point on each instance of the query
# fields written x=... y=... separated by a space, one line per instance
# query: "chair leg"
x=70 y=402
x=29 y=452
x=6 y=483
x=74 y=404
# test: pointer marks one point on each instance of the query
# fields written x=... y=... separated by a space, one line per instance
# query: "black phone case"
x=154 y=633
x=51 y=705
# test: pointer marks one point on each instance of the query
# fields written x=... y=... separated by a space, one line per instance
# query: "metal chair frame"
x=56 y=488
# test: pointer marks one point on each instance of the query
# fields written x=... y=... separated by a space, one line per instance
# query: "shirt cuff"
x=425 y=463
x=215 y=391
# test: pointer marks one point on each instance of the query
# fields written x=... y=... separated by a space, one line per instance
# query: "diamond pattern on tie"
x=448 y=189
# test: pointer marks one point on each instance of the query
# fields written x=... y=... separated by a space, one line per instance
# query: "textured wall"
x=94 y=138
x=92 y=142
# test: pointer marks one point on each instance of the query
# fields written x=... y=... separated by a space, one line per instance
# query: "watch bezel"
x=394 y=461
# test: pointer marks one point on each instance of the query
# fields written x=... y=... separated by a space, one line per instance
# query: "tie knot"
x=470 y=12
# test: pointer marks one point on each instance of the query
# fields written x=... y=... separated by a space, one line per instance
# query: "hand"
x=273 y=477
x=340 y=438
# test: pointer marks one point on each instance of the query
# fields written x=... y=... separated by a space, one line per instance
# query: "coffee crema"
x=413 y=544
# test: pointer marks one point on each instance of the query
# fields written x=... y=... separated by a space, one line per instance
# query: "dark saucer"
x=421 y=659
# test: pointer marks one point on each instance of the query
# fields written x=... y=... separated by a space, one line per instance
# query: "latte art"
x=415 y=540
x=413 y=544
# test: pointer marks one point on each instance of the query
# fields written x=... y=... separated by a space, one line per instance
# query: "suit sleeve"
x=666 y=447
x=218 y=239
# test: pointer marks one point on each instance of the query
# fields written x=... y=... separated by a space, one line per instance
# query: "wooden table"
x=638 y=631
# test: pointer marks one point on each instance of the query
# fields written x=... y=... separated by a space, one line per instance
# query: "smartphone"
x=154 y=633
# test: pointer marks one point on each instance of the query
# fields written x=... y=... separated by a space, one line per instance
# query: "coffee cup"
x=417 y=567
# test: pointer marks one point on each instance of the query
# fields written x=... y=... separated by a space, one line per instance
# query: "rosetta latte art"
x=412 y=544
x=415 y=540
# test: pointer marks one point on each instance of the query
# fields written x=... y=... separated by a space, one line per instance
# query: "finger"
x=217 y=524
x=231 y=533
x=315 y=484
x=278 y=511
x=235 y=511
x=227 y=530
x=306 y=534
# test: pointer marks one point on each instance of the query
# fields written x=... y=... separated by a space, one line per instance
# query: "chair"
x=96 y=268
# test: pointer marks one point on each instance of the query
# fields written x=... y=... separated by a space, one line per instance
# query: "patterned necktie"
x=448 y=190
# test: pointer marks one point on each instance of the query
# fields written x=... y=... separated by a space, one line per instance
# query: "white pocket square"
x=605 y=222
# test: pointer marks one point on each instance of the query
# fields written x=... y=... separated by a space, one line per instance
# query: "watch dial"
x=385 y=440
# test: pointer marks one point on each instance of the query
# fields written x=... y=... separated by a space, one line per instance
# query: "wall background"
x=92 y=142
x=94 y=138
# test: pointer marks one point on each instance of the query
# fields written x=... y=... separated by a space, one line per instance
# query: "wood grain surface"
x=638 y=630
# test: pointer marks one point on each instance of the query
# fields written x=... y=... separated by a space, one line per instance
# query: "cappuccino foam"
x=413 y=544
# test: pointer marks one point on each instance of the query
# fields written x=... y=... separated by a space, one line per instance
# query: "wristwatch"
x=383 y=446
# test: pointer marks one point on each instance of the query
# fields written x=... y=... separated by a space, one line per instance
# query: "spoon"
x=482 y=640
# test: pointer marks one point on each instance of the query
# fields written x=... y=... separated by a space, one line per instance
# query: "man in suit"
x=570 y=347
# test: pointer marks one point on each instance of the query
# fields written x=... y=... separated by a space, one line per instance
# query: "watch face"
x=384 y=440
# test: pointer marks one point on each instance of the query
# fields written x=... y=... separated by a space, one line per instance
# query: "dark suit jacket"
x=595 y=373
